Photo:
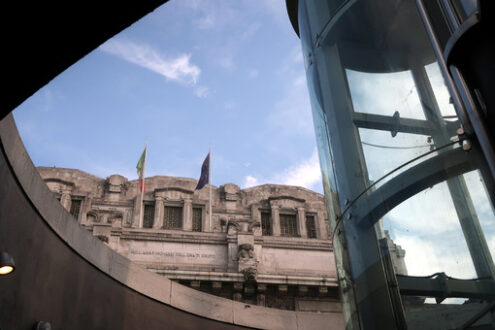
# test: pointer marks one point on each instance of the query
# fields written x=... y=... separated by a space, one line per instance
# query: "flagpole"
x=209 y=182
x=141 y=213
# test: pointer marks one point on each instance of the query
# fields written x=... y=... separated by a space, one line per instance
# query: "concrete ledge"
x=131 y=274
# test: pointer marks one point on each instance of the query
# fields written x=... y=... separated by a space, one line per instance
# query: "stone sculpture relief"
x=247 y=263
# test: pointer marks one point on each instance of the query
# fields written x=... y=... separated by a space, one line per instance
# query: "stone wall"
x=235 y=255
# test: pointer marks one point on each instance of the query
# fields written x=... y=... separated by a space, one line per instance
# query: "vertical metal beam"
x=373 y=300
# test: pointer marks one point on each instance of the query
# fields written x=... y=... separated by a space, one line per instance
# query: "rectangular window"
x=75 y=207
x=311 y=226
x=172 y=217
x=266 y=219
x=288 y=225
x=197 y=219
x=148 y=215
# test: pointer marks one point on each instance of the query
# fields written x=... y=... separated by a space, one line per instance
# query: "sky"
x=189 y=75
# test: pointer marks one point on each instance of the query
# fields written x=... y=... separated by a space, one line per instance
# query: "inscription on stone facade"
x=174 y=254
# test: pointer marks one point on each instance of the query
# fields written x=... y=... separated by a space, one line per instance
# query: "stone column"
x=65 y=200
x=85 y=208
x=321 y=228
x=255 y=213
x=138 y=208
x=275 y=220
x=301 y=222
x=187 y=214
x=159 y=208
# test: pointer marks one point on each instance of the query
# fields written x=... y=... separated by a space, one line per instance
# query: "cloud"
x=178 y=69
x=305 y=174
x=201 y=91
x=250 y=181
x=424 y=258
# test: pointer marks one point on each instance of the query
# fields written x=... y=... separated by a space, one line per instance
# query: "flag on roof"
x=205 y=173
x=140 y=169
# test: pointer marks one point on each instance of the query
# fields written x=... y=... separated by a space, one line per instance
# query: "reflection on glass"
x=484 y=209
x=385 y=93
x=441 y=92
x=383 y=153
x=426 y=226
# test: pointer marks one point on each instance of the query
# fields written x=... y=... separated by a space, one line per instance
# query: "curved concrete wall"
x=68 y=277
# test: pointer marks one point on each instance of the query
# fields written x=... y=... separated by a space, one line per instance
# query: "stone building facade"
x=267 y=245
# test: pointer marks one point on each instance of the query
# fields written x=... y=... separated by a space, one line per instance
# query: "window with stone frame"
x=75 y=207
x=197 y=219
x=148 y=215
x=288 y=225
x=266 y=226
x=172 y=217
x=311 y=226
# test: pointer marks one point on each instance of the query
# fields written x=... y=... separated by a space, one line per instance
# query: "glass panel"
x=383 y=153
x=442 y=94
x=172 y=217
x=426 y=226
x=483 y=207
x=197 y=219
x=385 y=93
x=149 y=215
x=436 y=236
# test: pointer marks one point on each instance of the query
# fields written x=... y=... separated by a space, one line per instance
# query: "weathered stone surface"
x=177 y=239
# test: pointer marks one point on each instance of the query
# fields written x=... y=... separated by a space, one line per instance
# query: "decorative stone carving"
x=116 y=184
x=233 y=228
x=255 y=228
x=230 y=192
x=93 y=216
x=247 y=262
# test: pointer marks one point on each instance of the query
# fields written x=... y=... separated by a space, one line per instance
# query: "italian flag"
x=140 y=169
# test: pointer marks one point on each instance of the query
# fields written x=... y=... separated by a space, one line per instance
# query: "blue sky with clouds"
x=191 y=73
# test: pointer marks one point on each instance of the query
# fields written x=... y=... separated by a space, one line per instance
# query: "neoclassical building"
x=267 y=245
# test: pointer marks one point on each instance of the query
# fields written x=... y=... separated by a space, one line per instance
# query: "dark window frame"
x=266 y=222
x=197 y=221
x=172 y=216
x=148 y=216
x=75 y=211
x=311 y=229
x=288 y=225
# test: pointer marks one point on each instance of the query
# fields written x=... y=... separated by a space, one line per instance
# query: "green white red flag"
x=140 y=170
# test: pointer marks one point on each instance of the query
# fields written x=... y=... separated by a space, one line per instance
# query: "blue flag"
x=205 y=173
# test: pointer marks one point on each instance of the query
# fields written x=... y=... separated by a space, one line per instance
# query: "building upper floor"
x=173 y=204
